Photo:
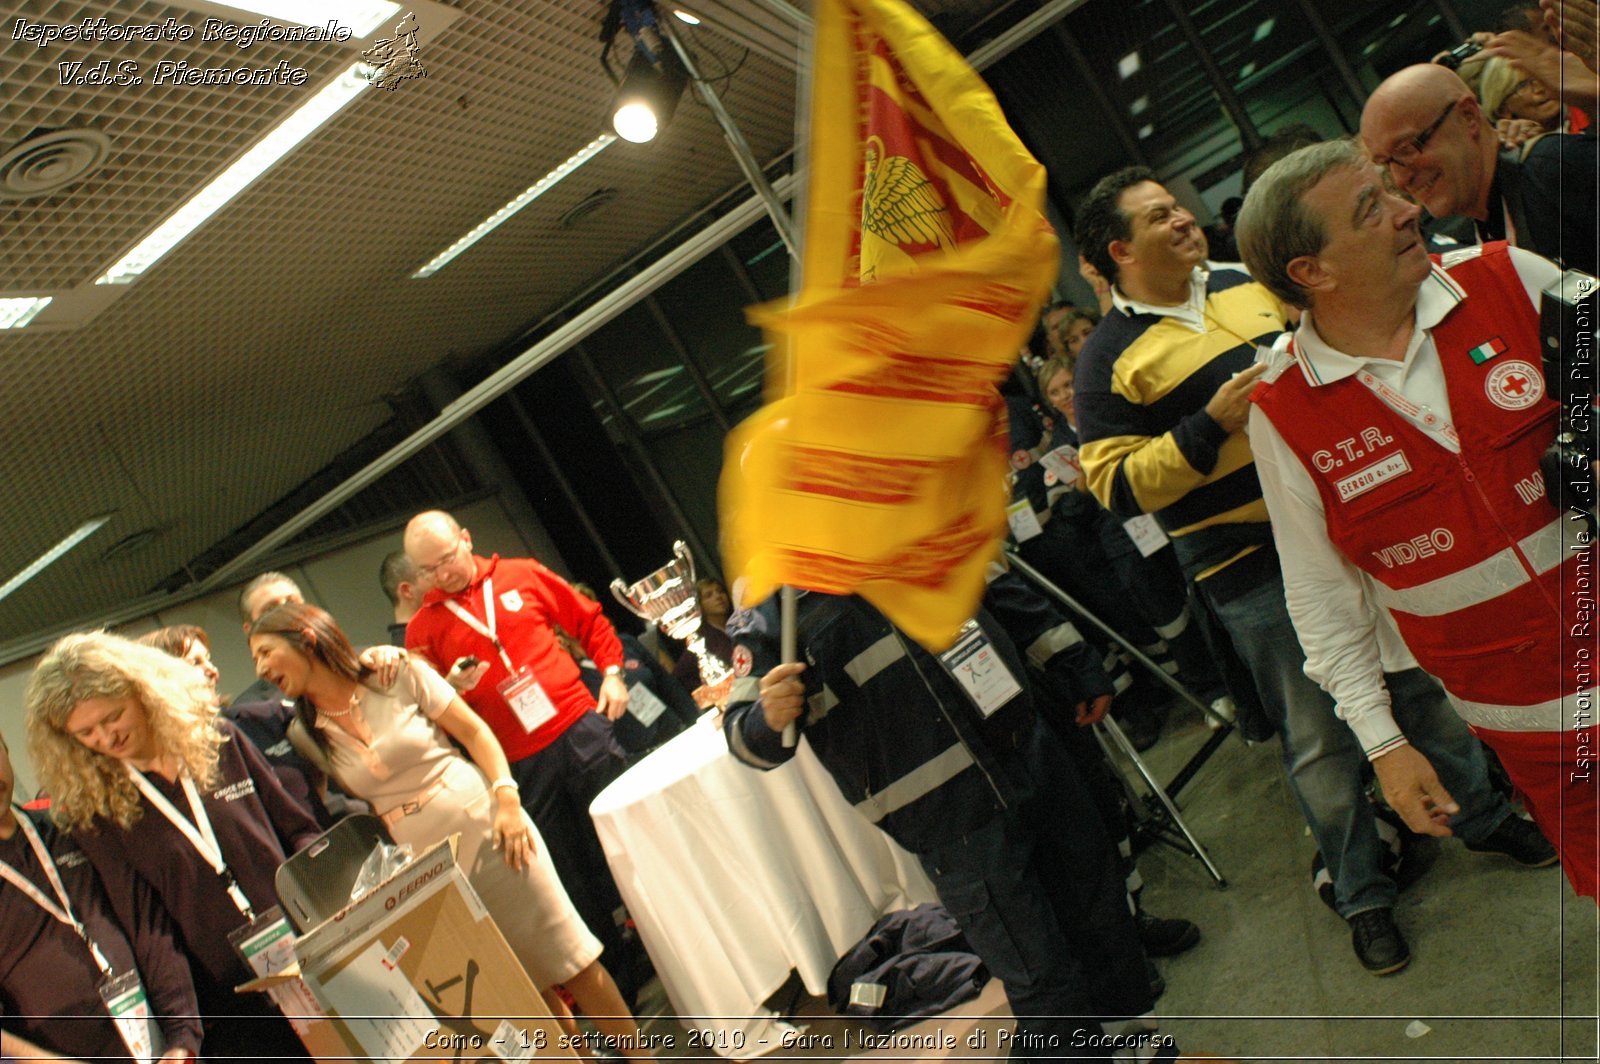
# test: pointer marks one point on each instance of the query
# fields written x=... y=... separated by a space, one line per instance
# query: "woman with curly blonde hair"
x=158 y=788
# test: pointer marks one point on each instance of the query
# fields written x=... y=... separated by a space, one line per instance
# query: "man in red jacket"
x=1397 y=437
x=487 y=624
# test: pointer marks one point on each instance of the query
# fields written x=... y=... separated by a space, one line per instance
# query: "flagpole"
x=805 y=46
x=736 y=142
x=786 y=232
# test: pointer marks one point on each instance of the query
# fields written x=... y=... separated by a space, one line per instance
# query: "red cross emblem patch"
x=1514 y=385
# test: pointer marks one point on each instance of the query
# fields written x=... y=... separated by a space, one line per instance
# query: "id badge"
x=1023 y=521
x=267 y=946
x=979 y=670
x=643 y=705
x=527 y=700
x=130 y=1011
x=266 y=943
x=1146 y=534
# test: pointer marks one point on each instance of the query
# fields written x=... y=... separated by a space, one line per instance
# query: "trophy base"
x=708 y=696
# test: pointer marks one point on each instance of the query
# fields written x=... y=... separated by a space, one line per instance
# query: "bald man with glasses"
x=488 y=625
x=1425 y=128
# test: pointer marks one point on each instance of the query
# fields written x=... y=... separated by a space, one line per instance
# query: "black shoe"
x=1519 y=840
x=1377 y=941
x=1141 y=727
x=1165 y=938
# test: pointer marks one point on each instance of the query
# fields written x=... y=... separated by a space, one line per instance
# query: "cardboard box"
x=417 y=970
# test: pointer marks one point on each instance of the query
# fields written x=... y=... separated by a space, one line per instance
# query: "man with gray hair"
x=1397 y=436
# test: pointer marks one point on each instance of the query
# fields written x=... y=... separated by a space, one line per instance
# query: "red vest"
x=1467 y=553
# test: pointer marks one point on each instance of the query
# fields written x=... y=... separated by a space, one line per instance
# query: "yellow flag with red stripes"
x=878 y=465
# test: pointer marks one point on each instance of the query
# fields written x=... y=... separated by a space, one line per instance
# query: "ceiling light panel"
x=521 y=200
x=283 y=139
x=51 y=556
x=164 y=144
x=17 y=312
x=361 y=16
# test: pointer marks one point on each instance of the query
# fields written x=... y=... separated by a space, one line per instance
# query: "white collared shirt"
x=1348 y=643
x=1191 y=313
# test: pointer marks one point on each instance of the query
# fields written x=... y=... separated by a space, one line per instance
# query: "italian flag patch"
x=1487 y=350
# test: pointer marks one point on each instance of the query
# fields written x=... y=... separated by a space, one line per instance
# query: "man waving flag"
x=878 y=465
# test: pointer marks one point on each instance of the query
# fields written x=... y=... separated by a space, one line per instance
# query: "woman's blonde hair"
x=83 y=784
x=1500 y=79
x=1052 y=366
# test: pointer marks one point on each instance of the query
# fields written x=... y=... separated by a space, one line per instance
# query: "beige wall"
x=344 y=582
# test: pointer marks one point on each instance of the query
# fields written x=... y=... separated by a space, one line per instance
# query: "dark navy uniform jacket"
x=898 y=733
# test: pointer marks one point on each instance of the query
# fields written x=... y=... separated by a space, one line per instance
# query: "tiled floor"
x=1503 y=969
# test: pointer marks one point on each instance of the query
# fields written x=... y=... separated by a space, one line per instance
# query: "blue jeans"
x=1324 y=762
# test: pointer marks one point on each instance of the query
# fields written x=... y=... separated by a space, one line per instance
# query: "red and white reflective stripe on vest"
x=1484 y=577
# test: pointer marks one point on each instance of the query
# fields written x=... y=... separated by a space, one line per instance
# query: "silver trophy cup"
x=667 y=598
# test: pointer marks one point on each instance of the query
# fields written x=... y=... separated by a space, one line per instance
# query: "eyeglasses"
x=1410 y=149
x=428 y=571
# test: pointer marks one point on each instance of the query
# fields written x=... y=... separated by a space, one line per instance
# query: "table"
x=734 y=877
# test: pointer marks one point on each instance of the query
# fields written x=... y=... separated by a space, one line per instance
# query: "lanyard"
x=203 y=840
x=63 y=911
x=485 y=630
x=1420 y=416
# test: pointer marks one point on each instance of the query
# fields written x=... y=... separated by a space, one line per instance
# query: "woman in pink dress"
x=391 y=746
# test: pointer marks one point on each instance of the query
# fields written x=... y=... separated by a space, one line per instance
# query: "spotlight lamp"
x=647 y=97
x=653 y=82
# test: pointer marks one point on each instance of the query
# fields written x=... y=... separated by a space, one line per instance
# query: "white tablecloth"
x=736 y=876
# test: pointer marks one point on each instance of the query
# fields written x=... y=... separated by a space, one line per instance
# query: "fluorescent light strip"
x=284 y=138
x=1140 y=105
x=360 y=16
x=1246 y=70
x=1128 y=65
x=657 y=375
x=45 y=560
x=15 y=313
x=1264 y=30
x=528 y=195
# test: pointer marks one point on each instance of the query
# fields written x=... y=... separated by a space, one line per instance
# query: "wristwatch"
x=613 y=670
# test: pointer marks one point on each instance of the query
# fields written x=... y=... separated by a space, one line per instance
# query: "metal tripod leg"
x=1202 y=755
x=1110 y=727
x=1050 y=588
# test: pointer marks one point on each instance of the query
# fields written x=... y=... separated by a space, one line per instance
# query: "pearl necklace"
x=336 y=714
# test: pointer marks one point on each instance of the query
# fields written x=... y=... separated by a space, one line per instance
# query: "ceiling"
x=265 y=344
x=279 y=335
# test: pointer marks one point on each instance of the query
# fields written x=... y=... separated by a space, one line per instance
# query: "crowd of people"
x=1339 y=440
x=1305 y=484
